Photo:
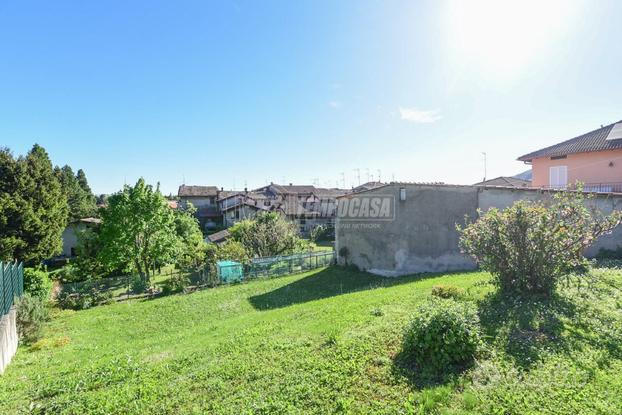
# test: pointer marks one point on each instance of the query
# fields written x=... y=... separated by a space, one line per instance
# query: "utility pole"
x=379 y=176
x=484 y=154
x=367 y=172
x=343 y=180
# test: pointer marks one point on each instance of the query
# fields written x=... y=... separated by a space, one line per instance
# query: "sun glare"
x=502 y=38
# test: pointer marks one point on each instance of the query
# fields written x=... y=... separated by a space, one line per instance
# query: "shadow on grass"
x=527 y=329
x=330 y=282
x=423 y=377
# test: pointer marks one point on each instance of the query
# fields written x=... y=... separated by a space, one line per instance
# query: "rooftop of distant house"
x=197 y=191
x=604 y=138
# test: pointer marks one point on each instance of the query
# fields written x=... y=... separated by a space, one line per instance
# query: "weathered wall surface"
x=8 y=339
x=421 y=236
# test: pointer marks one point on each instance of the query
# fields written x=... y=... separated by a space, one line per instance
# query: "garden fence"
x=281 y=265
x=11 y=284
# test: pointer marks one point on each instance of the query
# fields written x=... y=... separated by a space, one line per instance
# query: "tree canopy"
x=140 y=231
x=267 y=234
x=33 y=207
x=79 y=196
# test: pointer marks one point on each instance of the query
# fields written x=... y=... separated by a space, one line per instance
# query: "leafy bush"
x=176 y=283
x=138 y=284
x=530 y=246
x=37 y=283
x=31 y=313
x=447 y=291
x=443 y=334
x=83 y=296
x=320 y=233
x=268 y=234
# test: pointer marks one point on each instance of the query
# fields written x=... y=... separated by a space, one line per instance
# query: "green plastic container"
x=230 y=271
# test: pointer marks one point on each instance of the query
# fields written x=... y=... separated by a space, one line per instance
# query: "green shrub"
x=139 y=285
x=37 y=283
x=83 y=296
x=447 y=291
x=176 y=283
x=31 y=313
x=320 y=233
x=443 y=334
x=530 y=246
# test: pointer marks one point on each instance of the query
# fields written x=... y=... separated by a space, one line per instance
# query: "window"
x=558 y=177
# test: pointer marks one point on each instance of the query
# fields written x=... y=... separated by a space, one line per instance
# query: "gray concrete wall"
x=8 y=339
x=422 y=236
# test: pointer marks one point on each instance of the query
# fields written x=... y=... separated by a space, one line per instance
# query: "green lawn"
x=327 y=341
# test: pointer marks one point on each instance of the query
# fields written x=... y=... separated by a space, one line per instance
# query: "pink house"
x=595 y=159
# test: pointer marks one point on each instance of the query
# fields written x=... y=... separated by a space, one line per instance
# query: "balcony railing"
x=615 y=187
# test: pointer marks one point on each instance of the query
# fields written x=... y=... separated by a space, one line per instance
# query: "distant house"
x=594 y=158
x=505 y=181
x=367 y=186
x=219 y=237
x=305 y=205
x=71 y=232
x=204 y=199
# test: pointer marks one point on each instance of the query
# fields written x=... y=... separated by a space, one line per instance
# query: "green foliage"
x=268 y=234
x=82 y=296
x=193 y=247
x=530 y=246
x=80 y=199
x=138 y=230
x=447 y=291
x=139 y=285
x=33 y=207
x=443 y=334
x=37 y=283
x=320 y=233
x=31 y=313
x=176 y=283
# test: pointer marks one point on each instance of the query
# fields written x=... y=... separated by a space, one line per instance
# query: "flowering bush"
x=529 y=246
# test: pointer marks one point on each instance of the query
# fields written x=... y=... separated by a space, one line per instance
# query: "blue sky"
x=232 y=92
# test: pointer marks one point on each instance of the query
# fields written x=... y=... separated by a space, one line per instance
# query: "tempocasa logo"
x=366 y=207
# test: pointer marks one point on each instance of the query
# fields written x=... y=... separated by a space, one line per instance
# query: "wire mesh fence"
x=11 y=284
x=276 y=265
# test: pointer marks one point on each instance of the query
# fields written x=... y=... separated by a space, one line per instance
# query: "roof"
x=526 y=175
x=505 y=181
x=189 y=191
x=293 y=189
x=593 y=141
x=246 y=202
x=219 y=236
x=367 y=186
x=95 y=221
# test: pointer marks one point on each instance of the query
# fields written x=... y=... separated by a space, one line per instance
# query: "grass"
x=326 y=341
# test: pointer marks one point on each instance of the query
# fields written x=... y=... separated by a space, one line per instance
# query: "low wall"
x=421 y=234
x=8 y=339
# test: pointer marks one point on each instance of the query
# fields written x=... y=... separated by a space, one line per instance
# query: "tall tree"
x=79 y=196
x=9 y=212
x=36 y=210
x=138 y=230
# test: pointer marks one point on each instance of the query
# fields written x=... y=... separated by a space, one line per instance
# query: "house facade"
x=71 y=233
x=594 y=159
x=204 y=199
